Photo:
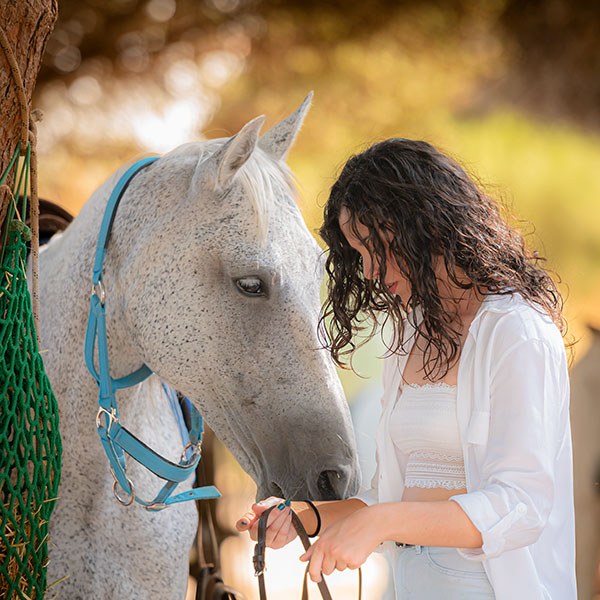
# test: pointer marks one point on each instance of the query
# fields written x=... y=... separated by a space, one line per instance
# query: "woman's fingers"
x=328 y=565
x=260 y=507
x=340 y=565
x=316 y=561
x=308 y=554
x=253 y=531
x=283 y=536
x=322 y=563
x=277 y=519
x=278 y=512
x=257 y=509
x=343 y=545
x=246 y=521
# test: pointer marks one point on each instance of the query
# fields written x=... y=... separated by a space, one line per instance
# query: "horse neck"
x=65 y=279
x=65 y=285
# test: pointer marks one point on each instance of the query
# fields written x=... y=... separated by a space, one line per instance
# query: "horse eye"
x=250 y=286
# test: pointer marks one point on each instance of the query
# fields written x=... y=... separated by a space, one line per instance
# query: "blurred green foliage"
x=420 y=77
x=463 y=75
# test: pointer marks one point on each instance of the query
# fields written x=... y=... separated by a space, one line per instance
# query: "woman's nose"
x=369 y=270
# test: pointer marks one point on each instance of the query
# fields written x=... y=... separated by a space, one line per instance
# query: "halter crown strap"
x=111 y=211
x=116 y=440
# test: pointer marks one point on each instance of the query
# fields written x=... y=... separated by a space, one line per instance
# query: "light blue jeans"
x=432 y=573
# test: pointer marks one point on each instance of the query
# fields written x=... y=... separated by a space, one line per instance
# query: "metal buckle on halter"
x=118 y=498
x=155 y=506
x=111 y=418
x=98 y=290
x=196 y=450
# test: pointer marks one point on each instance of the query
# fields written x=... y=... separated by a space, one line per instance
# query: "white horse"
x=212 y=280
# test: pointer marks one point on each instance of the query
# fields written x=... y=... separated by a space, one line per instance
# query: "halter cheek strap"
x=116 y=440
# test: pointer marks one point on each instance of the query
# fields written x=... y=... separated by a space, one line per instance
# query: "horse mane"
x=260 y=177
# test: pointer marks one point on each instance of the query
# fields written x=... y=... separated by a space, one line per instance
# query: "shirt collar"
x=499 y=303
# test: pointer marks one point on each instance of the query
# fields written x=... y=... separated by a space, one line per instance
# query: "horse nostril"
x=276 y=490
x=328 y=485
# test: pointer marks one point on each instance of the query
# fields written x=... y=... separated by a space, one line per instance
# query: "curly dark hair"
x=418 y=203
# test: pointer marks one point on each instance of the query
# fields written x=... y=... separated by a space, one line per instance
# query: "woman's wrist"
x=307 y=516
x=315 y=510
x=383 y=518
x=329 y=510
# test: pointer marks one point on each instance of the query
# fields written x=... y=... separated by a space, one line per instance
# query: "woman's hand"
x=280 y=530
x=346 y=544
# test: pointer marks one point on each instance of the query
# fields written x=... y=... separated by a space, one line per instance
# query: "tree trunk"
x=28 y=25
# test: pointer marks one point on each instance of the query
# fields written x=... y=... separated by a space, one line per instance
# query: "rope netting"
x=30 y=446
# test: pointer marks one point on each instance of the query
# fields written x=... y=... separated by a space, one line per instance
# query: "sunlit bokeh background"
x=510 y=89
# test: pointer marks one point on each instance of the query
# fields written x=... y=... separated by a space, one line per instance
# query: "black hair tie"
x=318 y=529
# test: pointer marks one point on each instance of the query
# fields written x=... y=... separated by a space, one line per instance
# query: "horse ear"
x=278 y=140
x=228 y=159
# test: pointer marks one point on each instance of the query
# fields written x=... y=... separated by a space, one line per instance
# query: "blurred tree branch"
x=109 y=29
x=553 y=59
x=556 y=68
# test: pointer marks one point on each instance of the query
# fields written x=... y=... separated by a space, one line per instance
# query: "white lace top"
x=424 y=428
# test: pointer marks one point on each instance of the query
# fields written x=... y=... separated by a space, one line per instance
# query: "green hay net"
x=30 y=446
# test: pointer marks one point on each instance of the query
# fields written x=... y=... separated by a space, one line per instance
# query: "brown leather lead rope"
x=210 y=584
x=259 y=558
x=207 y=569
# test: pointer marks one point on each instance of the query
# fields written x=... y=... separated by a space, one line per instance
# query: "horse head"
x=215 y=280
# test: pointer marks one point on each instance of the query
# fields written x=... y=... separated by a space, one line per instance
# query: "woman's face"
x=395 y=280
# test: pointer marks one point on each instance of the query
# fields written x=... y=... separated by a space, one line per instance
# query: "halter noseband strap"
x=116 y=439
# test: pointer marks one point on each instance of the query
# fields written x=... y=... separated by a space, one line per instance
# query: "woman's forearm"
x=330 y=511
x=425 y=523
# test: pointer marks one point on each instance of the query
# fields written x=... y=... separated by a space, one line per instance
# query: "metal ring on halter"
x=98 y=290
x=197 y=449
x=116 y=493
x=112 y=418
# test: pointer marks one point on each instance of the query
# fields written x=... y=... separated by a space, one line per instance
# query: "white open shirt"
x=513 y=418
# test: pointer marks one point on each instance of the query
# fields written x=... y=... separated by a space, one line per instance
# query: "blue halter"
x=116 y=440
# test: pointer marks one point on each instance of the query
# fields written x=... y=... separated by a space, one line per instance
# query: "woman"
x=472 y=496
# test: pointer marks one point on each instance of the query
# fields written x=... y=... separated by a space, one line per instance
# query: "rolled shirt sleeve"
x=516 y=493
